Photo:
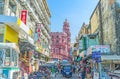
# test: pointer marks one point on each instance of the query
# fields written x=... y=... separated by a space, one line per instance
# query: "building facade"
x=107 y=22
x=26 y=23
x=60 y=47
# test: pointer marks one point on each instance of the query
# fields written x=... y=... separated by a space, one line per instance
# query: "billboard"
x=98 y=48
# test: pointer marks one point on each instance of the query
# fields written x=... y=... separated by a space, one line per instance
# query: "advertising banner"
x=38 y=31
x=23 y=17
x=98 y=48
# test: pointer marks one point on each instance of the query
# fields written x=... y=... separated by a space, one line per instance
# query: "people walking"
x=53 y=72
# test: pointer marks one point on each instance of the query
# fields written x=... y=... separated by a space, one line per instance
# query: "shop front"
x=26 y=55
x=9 y=68
x=7 y=33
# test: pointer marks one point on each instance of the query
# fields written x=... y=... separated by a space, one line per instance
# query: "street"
x=52 y=39
x=59 y=76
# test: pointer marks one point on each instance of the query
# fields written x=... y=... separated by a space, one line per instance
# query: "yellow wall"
x=10 y=35
x=95 y=21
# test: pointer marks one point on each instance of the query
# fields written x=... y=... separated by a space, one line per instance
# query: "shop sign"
x=96 y=55
x=23 y=17
x=24 y=28
x=38 y=30
x=98 y=48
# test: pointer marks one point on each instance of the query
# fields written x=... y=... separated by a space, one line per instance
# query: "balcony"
x=32 y=13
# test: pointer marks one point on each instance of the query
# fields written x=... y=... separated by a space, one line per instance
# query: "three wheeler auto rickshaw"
x=66 y=70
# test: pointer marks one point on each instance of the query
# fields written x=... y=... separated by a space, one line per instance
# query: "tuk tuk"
x=66 y=70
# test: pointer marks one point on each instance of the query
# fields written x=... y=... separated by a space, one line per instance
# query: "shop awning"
x=15 y=23
x=110 y=57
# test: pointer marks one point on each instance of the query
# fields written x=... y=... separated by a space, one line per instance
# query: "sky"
x=75 y=11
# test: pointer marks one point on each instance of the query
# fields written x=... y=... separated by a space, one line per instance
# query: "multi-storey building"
x=110 y=23
x=60 y=47
x=105 y=21
x=95 y=23
x=85 y=29
x=18 y=21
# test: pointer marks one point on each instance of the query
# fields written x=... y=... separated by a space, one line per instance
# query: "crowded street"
x=59 y=39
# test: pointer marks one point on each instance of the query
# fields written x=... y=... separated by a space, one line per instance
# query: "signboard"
x=23 y=17
x=38 y=30
x=24 y=27
x=98 y=48
x=96 y=55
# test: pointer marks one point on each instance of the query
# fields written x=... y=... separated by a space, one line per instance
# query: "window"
x=7 y=57
x=7 y=53
x=1 y=6
x=12 y=6
x=1 y=56
x=14 y=58
x=1 y=37
x=15 y=75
